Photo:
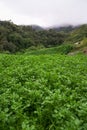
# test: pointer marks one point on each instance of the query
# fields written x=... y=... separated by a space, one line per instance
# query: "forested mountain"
x=15 y=38
x=78 y=34
x=65 y=29
x=36 y=27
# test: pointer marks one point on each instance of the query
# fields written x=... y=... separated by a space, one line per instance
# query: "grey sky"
x=44 y=12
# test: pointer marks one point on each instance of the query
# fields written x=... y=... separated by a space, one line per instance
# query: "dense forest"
x=15 y=38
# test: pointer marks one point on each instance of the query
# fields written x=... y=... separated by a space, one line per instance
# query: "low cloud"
x=44 y=12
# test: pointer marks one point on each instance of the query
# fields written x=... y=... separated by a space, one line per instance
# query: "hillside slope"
x=14 y=38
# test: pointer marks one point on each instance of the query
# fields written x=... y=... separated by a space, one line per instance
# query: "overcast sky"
x=44 y=12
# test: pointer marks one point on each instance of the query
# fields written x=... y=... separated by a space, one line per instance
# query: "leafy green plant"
x=45 y=92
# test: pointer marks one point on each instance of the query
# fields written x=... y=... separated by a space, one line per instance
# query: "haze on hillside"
x=44 y=12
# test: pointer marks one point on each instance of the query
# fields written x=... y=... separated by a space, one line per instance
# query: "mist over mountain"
x=15 y=38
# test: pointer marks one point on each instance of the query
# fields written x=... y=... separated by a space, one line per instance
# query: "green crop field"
x=44 y=92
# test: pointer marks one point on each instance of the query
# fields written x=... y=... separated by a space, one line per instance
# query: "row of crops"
x=45 y=92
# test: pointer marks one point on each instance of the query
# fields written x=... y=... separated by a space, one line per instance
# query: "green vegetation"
x=45 y=92
x=63 y=49
x=14 y=38
x=78 y=34
x=43 y=87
